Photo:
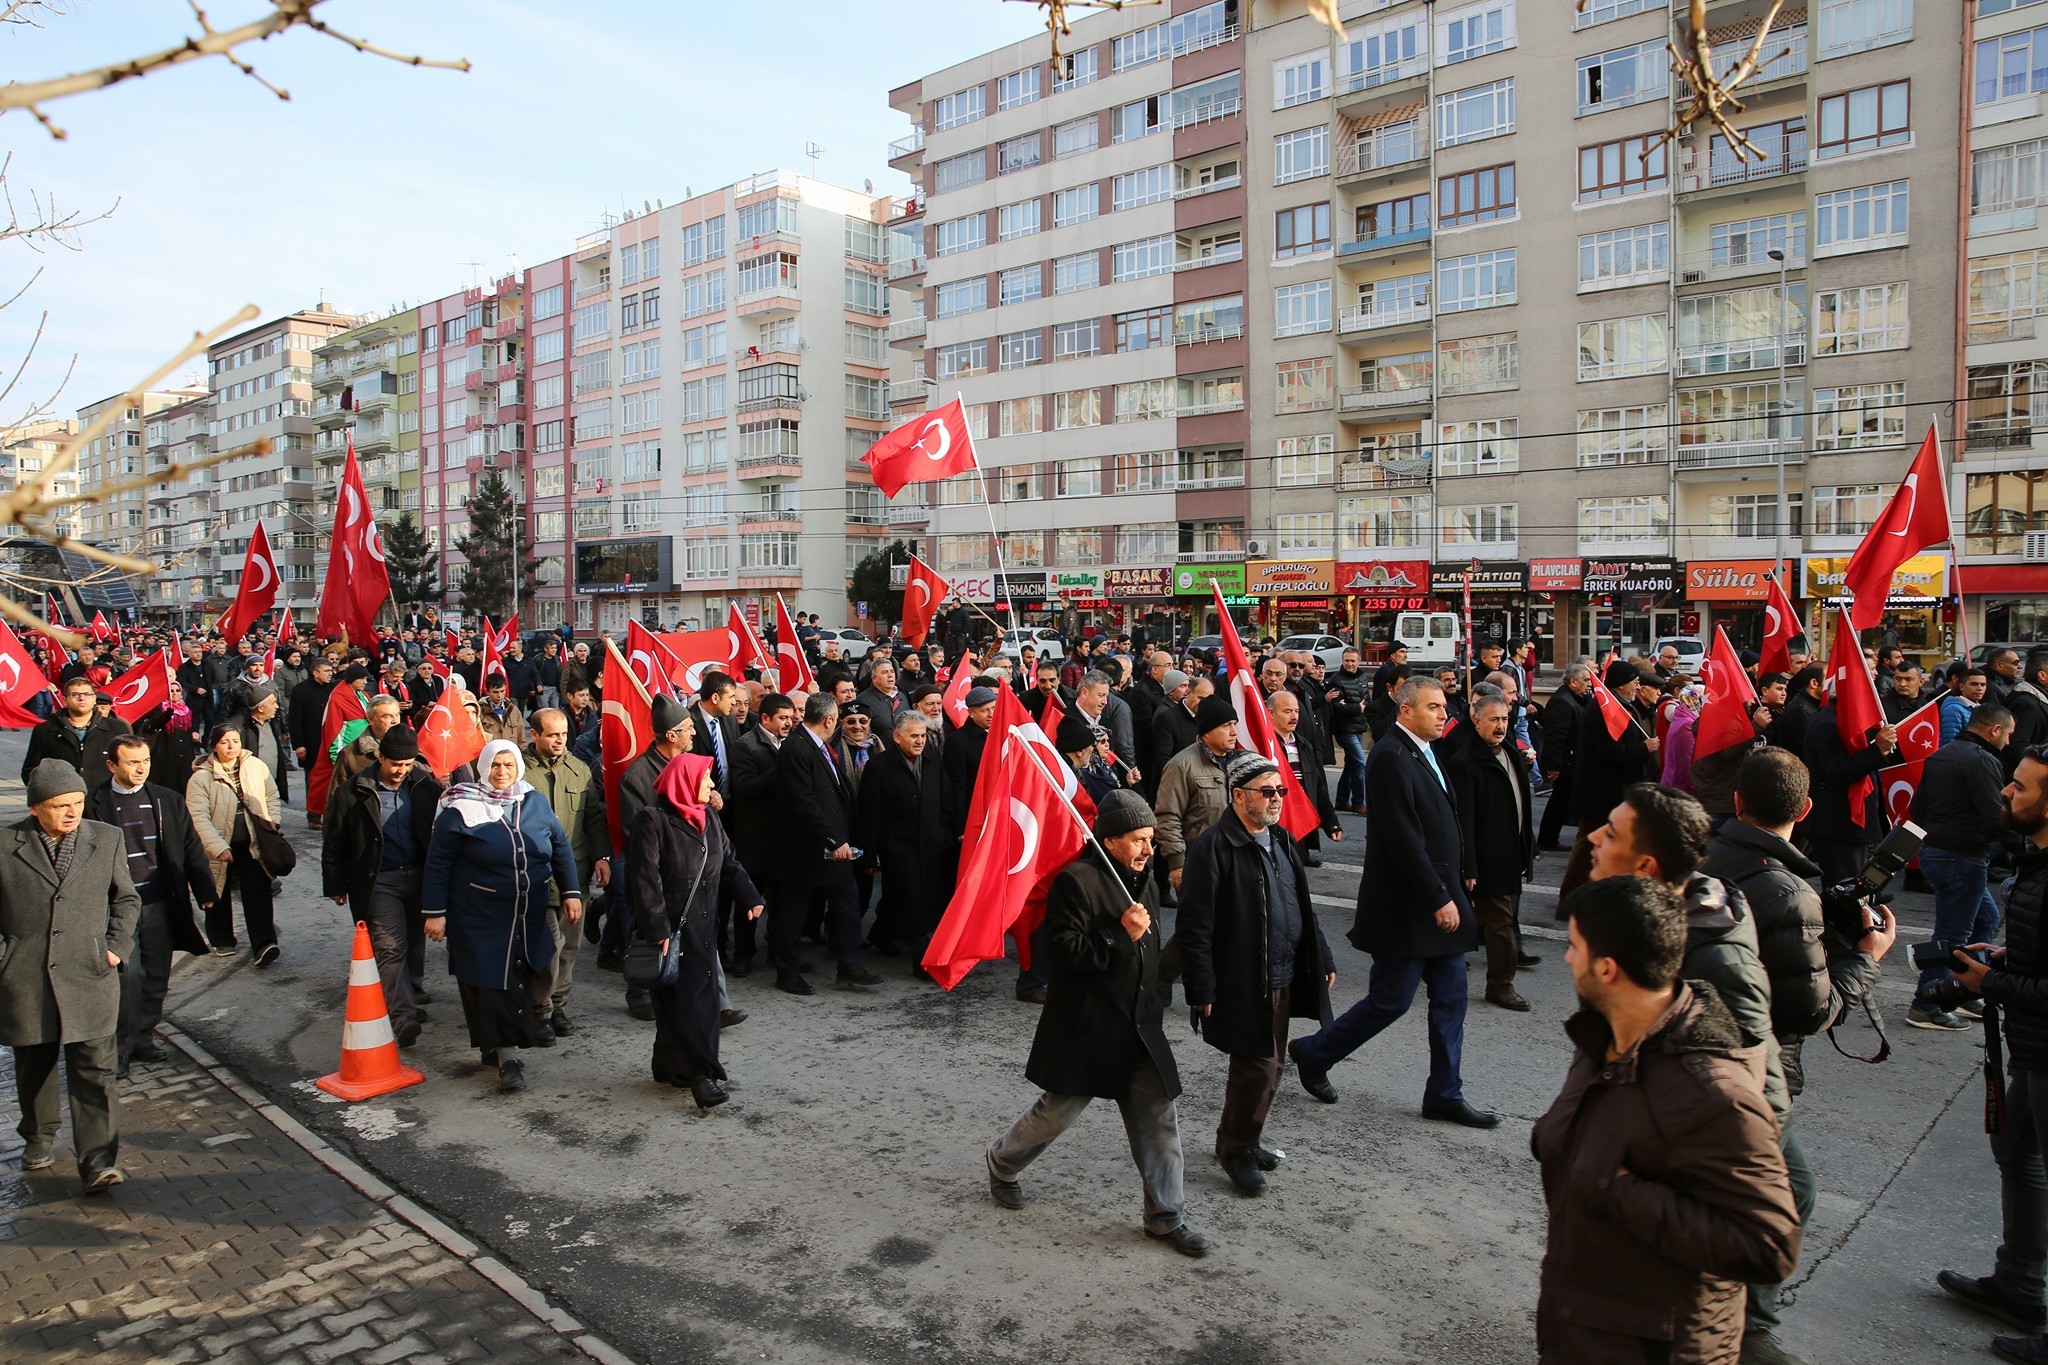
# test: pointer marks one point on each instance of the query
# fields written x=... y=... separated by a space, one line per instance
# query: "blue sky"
x=376 y=183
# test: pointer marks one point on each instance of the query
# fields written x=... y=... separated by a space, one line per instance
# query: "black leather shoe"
x=857 y=979
x=2026 y=1350
x=421 y=995
x=1031 y=995
x=1316 y=1082
x=741 y=966
x=795 y=985
x=560 y=1022
x=1311 y=859
x=1527 y=959
x=1008 y=1194
x=1462 y=1113
x=149 y=1050
x=708 y=1093
x=731 y=1018
x=1268 y=1160
x=1988 y=1296
x=1183 y=1239
x=640 y=1005
x=409 y=1035
x=543 y=1036
x=1243 y=1170
x=664 y=1078
x=512 y=1075
x=611 y=962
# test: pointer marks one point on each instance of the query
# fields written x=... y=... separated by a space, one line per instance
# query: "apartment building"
x=366 y=383
x=1255 y=301
x=183 y=522
x=26 y=451
x=119 y=521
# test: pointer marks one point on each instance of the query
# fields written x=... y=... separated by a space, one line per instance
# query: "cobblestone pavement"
x=232 y=1242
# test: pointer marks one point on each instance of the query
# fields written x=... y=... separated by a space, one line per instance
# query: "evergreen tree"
x=413 y=563
x=486 y=580
x=870 y=582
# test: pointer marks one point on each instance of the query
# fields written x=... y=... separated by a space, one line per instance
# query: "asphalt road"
x=837 y=1208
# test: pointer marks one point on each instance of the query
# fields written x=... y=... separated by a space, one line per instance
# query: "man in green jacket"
x=578 y=798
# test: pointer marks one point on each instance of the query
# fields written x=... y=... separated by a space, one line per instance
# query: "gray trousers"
x=145 y=978
x=551 y=987
x=394 y=907
x=1150 y=1122
x=95 y=1102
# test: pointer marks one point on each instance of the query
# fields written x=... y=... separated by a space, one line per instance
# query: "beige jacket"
x=216 y=810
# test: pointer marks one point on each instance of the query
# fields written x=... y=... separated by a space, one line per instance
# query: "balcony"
x=1380 y=80
x=372 y=439
x=906 y=514
x=1405 y=312
x=906 y=148
x=1719 y=455
x=786 y=398
x=475 y=380
x=1363 y=475
x=328 y=411
x=2000 y=433
x=1213 y=406
x=906 y=329
x=767 y=516
x=776 y=300
x=910 y=390
x=1210 y=554
x=1211 y=112
x=1379 y=155
x=1367 y=244
x=1221 y=256
x=328 y=373
x=781 y=350
x=1385 y=393
x=764 y=466
x=1735 y=357
x=510 y=412
x=377 y=473
x=1200 y=336
x=902 y=211
x=1228 y=182
x=1785 y=49
x=1698 y=267
x=907 y=267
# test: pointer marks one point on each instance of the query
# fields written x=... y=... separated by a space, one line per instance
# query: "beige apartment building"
x=1347 y=324
x=119 y=521
x=183 y=518
x=26 y=450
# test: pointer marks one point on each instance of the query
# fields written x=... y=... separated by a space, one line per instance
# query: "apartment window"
x=2006 y=179
x=1137 y=260
x=548 y=437
x=1019 y=153
x=1301 y=155
x=1856 y=25
x=1859 y=416
x=1302 y=385
x=1297 y=80
x=1625 y=256
x=547 y=393
x=1474 y=31
x=593 y=418
x=1076 y=205
x=1304 y=533
x=1385 y=51
x=1735 y=414
x=1624 y=520
x=962 y=553
x=1210 y=469
x=1754 y=516
x=547 y=347
x=963 y=106
x=1022 y=284
x=1864 y=120
x=864 y=293
x=864 y=239
x=1627 y=75
x=1870 y=317
x=1484 y=279
x=594 y=320
x=1301 y=308
x=2006 y=294
x=1072 y=139
x=1481 y=112
x=1397 y=522
x=1482 y=196
x=1208 y=320
x=1624 y=346
x=1075 y=68
x=1750 y=241
x=965 y=357
x=1630 y=165
x=1072 y=340
x=1019 y=87
x=869 y=344
x=1861 y=219
x=1622 y=436
x=2012 y=65
x=1594 y=12
x=593 y=370
x=1491 y=446
x=2007 y=402
x=1481 y=525
x=1147 y=186
x=1985 y=7
x=1999 y=509
x=1741 y=329
x=1076 y=408
x=958 y=172
x=1305 y=462
x=1078 y=479
x=955 y=297
x=1018 y=349
x=1017 y=220
x=960 y=234
x=547 y=303
x=1139 y=118
x=1849 y=509
x=1148 y=471
x=1140 y=331
x=1020 y=416
x=1302 y=231
x=1144 y=400
x=1479 y=364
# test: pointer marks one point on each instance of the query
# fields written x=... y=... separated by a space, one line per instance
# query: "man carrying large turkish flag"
x=922 y=594
x=1857 y=709
x=626 y=730
x=930 y=446
x=344 y=704
x=255 y=593
x=20 y=681
x=1916 y=518
x=450 y=736
x=1724 y=721
x=792 y=671
x=1781 y=630
x=1255 y=726
x=144 y=687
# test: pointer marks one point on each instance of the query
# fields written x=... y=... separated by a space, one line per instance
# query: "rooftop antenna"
x=474 y=266
x=813 y=151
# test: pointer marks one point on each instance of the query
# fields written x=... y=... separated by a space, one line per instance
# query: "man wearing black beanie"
x=1192 y=793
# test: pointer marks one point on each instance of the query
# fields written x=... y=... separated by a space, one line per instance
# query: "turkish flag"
x=1920 y=732
x=1614 y=712
x=752 y=649
x=922 y=595
x=1724 y=721
x=503 y=636
x=450 y=641
x=1299 y=813
x=492 y=664
x=55 y=656
x=1916 y=518
x=284 y=639
x=1857 y=710
x=693 y=653
x=20 y=680
x=449 y=736
x=103 y=631
x=930 y=446
x=653 y=664
x=955 y=700
x=255 y=593
x=340 y=617
x=625 y=731
x=1781 y=630
x=54 y=615
x=344 y=704
x=792 y=670
x=1900 y=783
x=144 y=687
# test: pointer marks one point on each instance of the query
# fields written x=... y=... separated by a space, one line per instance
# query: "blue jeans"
x=1963 y=909
x=1351 y=782
x=1389 y=993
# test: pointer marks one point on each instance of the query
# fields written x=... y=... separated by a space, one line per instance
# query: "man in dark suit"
x=717 y=697
x=76 y=735
x=901 y=808
x=1490 y=786
x=814 y=863
x=1414 y=915
x=750 y=812
x=961 y=758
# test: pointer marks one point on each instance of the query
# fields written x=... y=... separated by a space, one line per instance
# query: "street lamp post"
x=1778 y=434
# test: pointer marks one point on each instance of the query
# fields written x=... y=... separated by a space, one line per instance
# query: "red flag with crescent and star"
x=923 y=591
x=1781 y=628
x=492 y=664
x=257 y=591
x=1898 y=785
x=282 y=639
x=930 y=446
x=1255 y=725
x=144 y=687
x=102 y=630
x=653 y=664
x=20 y=680
x=354 y=576
x=449 y=736
x=1920 y=732
x=792 y=670
x=1857 y=709
x=1916 y=518
x=752 y=648
x=693 y=653
x=1724 y=721
x=625 y=730
x=344 y=704
x=955 y=700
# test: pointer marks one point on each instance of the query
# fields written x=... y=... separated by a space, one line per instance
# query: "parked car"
x=1980 y=655
x=1042 y=639
x=1432 y=637
x=852 y=644
x=1690 y=652
x=1203 y=642
x=1328 y=648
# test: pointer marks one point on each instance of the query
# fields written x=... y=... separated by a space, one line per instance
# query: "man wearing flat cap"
x=961 y=757
x=372 y=859
x=1102 y=1034
x=263 y=735
x=67 y=913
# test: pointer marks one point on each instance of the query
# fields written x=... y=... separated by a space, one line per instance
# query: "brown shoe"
x=1507 y=997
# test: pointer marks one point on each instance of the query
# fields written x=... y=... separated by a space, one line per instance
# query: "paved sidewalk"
x=231 y=1241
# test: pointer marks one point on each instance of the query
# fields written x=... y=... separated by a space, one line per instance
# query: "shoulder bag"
x=273 y=850
x=647 y=965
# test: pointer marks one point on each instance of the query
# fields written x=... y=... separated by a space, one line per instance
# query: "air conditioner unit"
x=2034 y=547
x=1255 y=548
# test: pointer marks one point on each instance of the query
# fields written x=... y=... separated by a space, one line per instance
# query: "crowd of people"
x=833 y=823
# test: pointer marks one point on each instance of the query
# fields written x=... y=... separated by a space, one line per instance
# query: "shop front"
x=1026 y=593
x=1919 y=616
x=1630 y=603
x=1374 y=591
x=1141 y=600
x=1193 y=586
x=1077 y=599
x=2006 y=603
x=1558 y=619
x=1296 y=596
x=1731 y=594
x=1500 y=597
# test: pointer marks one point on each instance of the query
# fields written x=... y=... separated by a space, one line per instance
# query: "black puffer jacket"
x=1957 y=802
x=2020 y=983
x=1771 y=875
x=1347 y=712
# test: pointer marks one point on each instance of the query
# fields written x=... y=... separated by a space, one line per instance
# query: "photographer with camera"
x=1957 y=804
x=2014 y=980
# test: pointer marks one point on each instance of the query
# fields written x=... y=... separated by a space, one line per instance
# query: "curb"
x=494 y=1271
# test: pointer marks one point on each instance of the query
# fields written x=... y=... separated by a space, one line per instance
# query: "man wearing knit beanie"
x=1192 y=793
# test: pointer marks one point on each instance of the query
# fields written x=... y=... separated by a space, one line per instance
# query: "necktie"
x=1430 y=755
x=717 y=750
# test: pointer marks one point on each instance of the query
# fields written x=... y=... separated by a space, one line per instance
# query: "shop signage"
x=1193 y=580
x=1630 y=576
x=1448 y=579
x=1129 y=583
x=1384 y=577
x=1075 y=582
x=1556 y=575
x=1277 y=577
x=974 y=588
x=1301 y=603
x=1917 y=582
x=1020 y=585
x=1727 y=580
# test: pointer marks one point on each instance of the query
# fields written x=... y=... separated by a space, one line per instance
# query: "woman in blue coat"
x=495 y=845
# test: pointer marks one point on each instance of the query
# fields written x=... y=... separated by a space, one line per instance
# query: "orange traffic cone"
x=369 y=1053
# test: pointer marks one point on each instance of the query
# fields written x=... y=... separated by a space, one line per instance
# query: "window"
x=1399 y=522
x=1623 y=520
x=1999 y=509
x=1480 y=525
x=2005 y=179
x=1861 y=219
x=1144 y=400
x=964 y=106
x=958 y=172
x=1020 y=416
x=1143 y=330
x=1147 y=186
x=776 y=270
x=1388 y=50
x=1475 y=31
x=1148 y=471
x=962 y=553
x=1297 y=80
x=960 y=234
x=1864 y=120
x=1020 y=285
x=1856 y=25
x=2007 y=402
x=1209 y=469
x=1479 y=364
x=1630 y=165
x=1301 y=155
x=1019 y=153
x=547 y=393
x=1140 y=118
x=863 y=344
x=1305 y=462
x=1302 y=231
x=1301 y=308
x=1017 y=220
x=1750 y=242
x=547 y=303
x=1208 y=320
x=1491 y=446
x=1859 y=416
x=1601 y=11
x=547 y=347
x=768 y=217
x=864 y=293
x=952 y=299
x=1735 y=415
x=593 y=418
x=1624 y=256
x=1627 y=75
x=1985 y=7
x=594 y=320
x=1480 y=112
x=1137 y=260
x=966 y=357
x=1078 y=479
x=1072 y=340
x=1072 y=139
x=1624 y=346
x=1304 y=533
x=1302 y=385
x=1075 y=68
x=2006 y=294
x=865 y=240
x=2012 y=65
x=1622 y=436
x=1742 y=329
x=1076 y=408
x=593 y=370
x=1076 y=205
x=1849 y=509
x=1019 y=87
x=1481 y=196
x=1485 y=279
x=1018 y=349
x=1871 y=317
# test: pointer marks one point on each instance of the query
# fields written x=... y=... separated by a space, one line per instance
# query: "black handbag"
x=273 y=850
x=647 y=965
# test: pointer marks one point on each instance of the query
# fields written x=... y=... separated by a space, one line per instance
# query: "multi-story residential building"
x=182 y=515
x=366 y=381
x=27 y=450
x=118 y=520
x=1253 y=300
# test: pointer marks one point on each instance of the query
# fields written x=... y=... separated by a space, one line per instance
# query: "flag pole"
x=1002 y=572
x=1060 y=790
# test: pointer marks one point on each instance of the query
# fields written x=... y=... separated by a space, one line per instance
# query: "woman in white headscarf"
x=496 y=844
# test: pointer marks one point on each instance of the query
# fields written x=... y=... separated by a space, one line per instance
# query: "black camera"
x=1849 y=907
x=1947 y=992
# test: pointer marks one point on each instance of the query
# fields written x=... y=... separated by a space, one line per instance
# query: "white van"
x=1432 y=637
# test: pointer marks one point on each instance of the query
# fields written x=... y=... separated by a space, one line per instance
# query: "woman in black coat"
x=173 y=743
x=680 y=869
x=901 y=819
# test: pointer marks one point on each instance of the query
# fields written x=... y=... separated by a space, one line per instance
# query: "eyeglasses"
x=1267 y=793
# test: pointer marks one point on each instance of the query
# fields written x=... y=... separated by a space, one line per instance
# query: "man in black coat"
x=814 y=863
x=1490 y=786
x=1958 y=804
x=749 y=814
x=2028 y=702
x=1602 y=766
x=1562 y=716
x=901 y=817
x=716 y=737
x=1102 y=1034
x=1839 y=842
x=1253 y=956
x=1284 y=707
x=170 y=870
x=308 y=711
x=1173 y=725
x=960 y=759
x=76 y=735
x=1414 y=914
x=1788 y=731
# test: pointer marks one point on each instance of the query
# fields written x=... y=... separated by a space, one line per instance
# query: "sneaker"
x=1940 y=1020
x=1761 y=1348
x=225 y=950
x=1968 y=1012
x=38 y=1156
x=266 y=955
x=105 y=1178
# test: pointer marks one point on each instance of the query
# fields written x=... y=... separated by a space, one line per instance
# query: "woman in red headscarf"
x=680 y=870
